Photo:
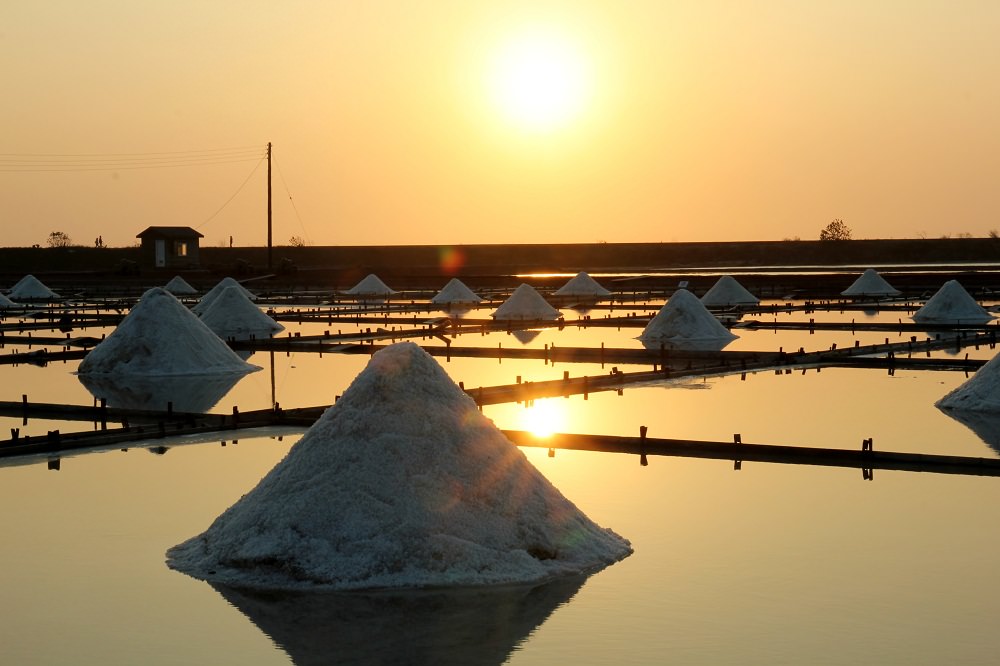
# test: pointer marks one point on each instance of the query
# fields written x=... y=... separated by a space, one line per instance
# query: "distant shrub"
x=836 y=230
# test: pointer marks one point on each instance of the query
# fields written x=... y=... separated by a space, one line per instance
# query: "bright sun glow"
x=540 y=80
x=544 y=418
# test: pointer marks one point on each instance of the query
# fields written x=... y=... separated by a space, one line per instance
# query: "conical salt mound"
x=214 y=292
x=30 y=288
x=232 y=315
x=525 y=304
x=17 y=284
x=979 y=393
x=952 y=304
x=178 y=286
x=870 y=283
x=583 y=286
x=6 y=303
x=684 y=319
x=726 y=292
x=162 y=337
x=370 y=286
x=402 y=483
x=455 y=292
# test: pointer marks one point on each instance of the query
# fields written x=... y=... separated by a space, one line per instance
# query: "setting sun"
x=544 y=417
x=539 y=80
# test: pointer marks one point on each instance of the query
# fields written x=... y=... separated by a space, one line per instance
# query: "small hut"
x=169 y=247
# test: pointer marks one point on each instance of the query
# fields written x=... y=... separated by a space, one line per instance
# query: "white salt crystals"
x=30 y=288
x=455 y=293
x=979 y=393
x=870 y=284
x=727 y=292
x=178 y=286
x=952 y=304
x=232 y=315
x=525 y=304
x=214 y=292
x=583 y=286
x=160 y=336
x=370 y=286
x=685 y=322
x=402 y=483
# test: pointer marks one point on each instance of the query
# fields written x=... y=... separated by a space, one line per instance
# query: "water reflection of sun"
x=544 y=417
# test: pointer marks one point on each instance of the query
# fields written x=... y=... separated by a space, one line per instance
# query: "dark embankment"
x=405 y=266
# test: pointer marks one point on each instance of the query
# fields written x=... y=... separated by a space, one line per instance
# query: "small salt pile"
x=583 y=286
x=370 y=286
x=979 y=393
x=525 y=304
x=952 y=304
x=455 y=292
x=214 y=292
x=30 y=288
x=6 y=303
x=161 y=337
x=232 y=315
x=402 y=483
x=178 y=286
x=685 y=322
x=727 y=292
x=870 y=283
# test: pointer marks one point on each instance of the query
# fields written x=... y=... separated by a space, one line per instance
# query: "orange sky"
x=457 y=121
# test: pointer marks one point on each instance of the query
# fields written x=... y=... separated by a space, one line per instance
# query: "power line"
x=294 y=207
x=238 y=190
x=22 y=162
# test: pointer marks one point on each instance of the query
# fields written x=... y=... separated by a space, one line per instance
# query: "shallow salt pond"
x=768 y=564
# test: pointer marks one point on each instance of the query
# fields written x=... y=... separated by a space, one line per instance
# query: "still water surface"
x=768 y=564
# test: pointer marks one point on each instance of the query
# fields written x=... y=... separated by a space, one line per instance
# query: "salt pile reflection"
x=196 y=394
x=464 y=626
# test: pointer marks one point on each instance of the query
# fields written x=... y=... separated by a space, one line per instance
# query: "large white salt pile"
x=952 y=304
x=583 y=286
x=870 y=283
x=370 y=286
x=525 y=304
x=30 y=288
x=402 y=483
x=727 y=292
x=684 y=320
x=232 y=315
x=178 y=286
x=160 y=336
x=455 y=292
x=214 y=292
x=979 y=393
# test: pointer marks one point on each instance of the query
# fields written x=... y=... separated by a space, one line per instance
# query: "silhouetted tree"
x=836 y=230
x=58 y=239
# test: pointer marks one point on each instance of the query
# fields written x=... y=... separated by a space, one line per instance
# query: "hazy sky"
x=457 y=121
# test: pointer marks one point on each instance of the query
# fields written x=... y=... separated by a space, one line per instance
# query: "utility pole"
x=269 y=263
